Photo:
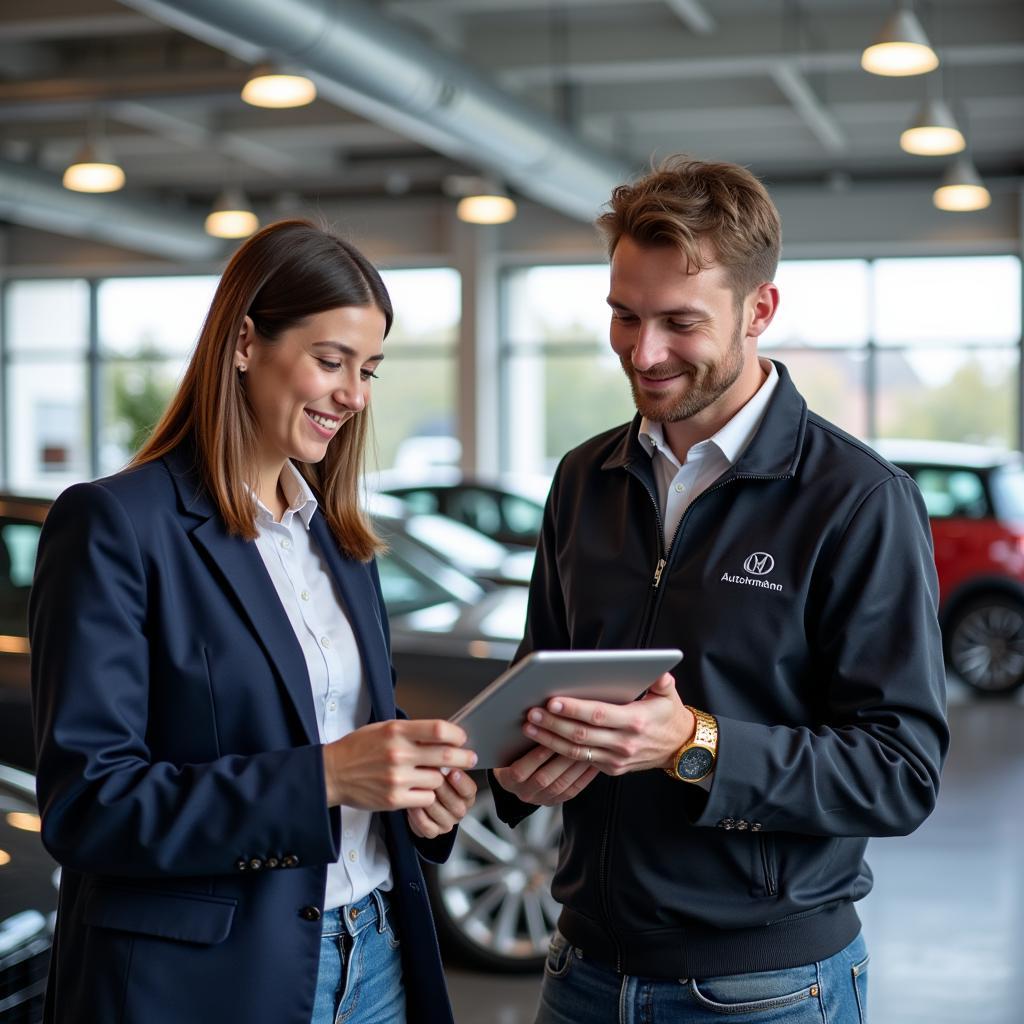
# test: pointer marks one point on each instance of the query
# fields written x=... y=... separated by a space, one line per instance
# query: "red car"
x=975 y=500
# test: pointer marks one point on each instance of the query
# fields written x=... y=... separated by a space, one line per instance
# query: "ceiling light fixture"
x=901 y=48
x=933 y=132
x=93 y=169
x=231 y=216
x=962 y=189
x=481 y=200
x=269 y=87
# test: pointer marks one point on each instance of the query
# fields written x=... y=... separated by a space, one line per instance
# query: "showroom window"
x=87 y=368
x=413 y=402
x=920 y=348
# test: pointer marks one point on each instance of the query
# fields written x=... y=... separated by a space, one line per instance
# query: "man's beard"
x=706 y=385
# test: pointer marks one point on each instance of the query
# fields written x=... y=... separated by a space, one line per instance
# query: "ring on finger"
x=590 y=755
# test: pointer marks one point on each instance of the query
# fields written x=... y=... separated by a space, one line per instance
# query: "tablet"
x=494 y=718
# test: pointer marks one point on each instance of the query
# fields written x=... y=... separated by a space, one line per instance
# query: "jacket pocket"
x=184 y=917
x=768 y=866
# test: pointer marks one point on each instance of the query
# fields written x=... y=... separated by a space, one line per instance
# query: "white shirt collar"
x=297 y=492
x=733 y=437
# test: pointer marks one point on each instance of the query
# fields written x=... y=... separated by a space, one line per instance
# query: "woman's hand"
x=544 y=778
x=452 y=801
x=393 y=765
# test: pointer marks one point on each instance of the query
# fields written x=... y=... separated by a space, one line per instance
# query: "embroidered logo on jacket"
x=758 y=565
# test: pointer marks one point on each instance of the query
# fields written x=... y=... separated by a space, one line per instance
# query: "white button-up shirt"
x=342 y=701
x=679 y=484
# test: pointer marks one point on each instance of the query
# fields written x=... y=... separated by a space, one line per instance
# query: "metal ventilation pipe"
x=37 y=199
x=376 y=68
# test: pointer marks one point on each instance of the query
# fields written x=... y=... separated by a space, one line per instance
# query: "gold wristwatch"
x=695 y=759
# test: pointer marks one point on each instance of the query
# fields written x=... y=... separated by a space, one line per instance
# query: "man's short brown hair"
x=685 y=202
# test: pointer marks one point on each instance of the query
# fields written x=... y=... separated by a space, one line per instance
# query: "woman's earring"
x=241 y=368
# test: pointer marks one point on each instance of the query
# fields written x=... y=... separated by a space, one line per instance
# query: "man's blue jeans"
x=360 y=977
x=577 y=991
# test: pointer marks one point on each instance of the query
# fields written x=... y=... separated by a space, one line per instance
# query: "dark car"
x=450 y=638
x=975 y=501
x=509 y=509
x=28 y=897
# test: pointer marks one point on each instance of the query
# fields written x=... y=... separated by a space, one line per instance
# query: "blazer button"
x=255 y=864
x=272 y=862
x=310 y=913
x=290 y=861
x=242 y=864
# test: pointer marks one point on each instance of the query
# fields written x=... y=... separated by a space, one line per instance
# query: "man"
x=715 y=830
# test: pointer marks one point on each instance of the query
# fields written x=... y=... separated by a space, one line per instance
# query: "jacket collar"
x=774 y=450
x=241 y=570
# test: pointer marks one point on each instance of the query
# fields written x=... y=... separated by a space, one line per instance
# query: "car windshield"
x=457 y=542
x=1007 y=483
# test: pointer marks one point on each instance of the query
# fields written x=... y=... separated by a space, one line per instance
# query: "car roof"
x=904 y=451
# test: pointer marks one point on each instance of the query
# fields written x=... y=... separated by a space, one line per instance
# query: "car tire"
x=492 y=898
x=985 y=644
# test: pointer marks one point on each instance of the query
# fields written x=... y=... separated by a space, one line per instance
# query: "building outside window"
x=922 y=348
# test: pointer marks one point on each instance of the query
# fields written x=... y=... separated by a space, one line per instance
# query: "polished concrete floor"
x=945 y=922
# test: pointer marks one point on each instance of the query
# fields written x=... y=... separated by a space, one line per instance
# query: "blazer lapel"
x=360 y=601
x=247 y=578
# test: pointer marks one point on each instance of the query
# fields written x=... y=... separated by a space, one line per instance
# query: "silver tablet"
x=494 y=718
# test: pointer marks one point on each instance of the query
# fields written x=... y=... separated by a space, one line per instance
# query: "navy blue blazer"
x=180 y=775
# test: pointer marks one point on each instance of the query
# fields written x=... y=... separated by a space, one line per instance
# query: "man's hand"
x=393 y=765
x=452 y=801
x=541 y=777
x=616 y=738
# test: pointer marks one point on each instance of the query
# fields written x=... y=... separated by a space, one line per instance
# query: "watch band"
x=705 y=735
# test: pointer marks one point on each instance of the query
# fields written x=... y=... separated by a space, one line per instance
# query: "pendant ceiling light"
x=962 y=189
x=231 y=216
x=93 y=169
x=901 y=48
x=933 y=132
x=481 y=199
x=269 y=87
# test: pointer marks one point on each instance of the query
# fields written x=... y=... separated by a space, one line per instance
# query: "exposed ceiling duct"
x=369 y=65
x=37 y=199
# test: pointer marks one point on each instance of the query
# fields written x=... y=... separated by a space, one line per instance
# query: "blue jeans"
x=360 y=976
x=577 y=991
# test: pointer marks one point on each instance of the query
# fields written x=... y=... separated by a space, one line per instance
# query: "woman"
x=220 y=769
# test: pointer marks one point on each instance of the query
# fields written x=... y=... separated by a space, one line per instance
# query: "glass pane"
x=50 y=316
x=821 y=302
x=414 y=412
x=147 y=316
x=20 y=541
x=833 y=383
x=135 y=395
x=47 y=420
x=952 y=493
x=1008 y=492
x=559 y=401
x=974 y=299
x=558 y=304
x=965 y=395
x=427 y=306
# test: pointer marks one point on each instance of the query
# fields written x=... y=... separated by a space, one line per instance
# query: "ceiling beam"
x=815 y=114
x=36 y=199
x=692 y=14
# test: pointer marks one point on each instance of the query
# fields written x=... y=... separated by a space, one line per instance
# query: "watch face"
x=695 y=763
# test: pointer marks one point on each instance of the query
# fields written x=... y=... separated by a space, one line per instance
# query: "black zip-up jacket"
x=801 y=588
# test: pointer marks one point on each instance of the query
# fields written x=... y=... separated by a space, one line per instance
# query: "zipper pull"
x=657 y=572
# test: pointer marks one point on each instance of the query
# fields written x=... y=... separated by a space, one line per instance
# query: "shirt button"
x=348 y=833
x=305 y=595
x=325 y=641
x=680 y=488
x=353 y=856
x=332 y=705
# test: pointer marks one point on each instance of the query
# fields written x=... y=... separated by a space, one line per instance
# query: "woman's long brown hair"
x=284 y=273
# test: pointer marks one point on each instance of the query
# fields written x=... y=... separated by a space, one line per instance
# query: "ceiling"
x=562 y=97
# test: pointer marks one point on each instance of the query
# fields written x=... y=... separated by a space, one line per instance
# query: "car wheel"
x=985 y=644
x=492 y=898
